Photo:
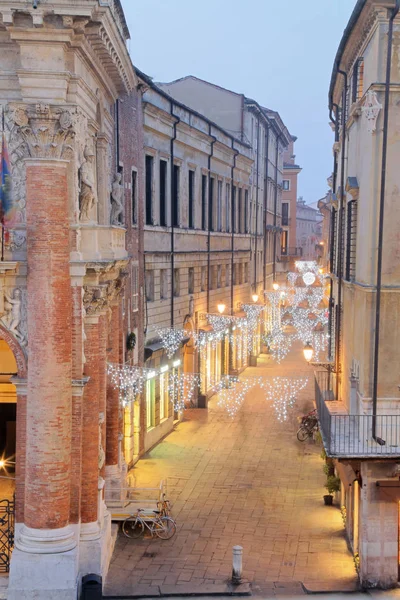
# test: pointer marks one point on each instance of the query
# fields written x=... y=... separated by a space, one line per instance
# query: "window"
x=240 y=273
x=358 y=80
x=163 y=284
x=163 y=193
x=149 y=190
x=191 y=200
x=175 y=199
x=134 y=197
x=246 y=211
x=164 y=399
x=285 y=214
x=286 y=185
x=284 y=240
x=227 y=206
x=203 y=202
x=351 y=240
x=227 y=275
x=219 y=276
x=240 y=211
x=234 y=209
x=203 y=279
x=150 y=403
x=135 y=288
x=191 y=280
x=219 y=206
x=246 y=272
x=150 y=286
x=177 y=284
x=211 y=218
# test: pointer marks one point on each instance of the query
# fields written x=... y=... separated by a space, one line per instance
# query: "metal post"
x=237 y=566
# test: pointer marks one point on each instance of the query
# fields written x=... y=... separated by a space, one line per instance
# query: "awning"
x=389 y=489
x=150 y=349
x=346 y=473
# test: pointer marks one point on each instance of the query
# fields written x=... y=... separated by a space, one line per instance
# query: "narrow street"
x=244 y=480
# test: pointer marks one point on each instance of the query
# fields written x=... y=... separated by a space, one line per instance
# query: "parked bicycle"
x=309 y=424
x=158 y=522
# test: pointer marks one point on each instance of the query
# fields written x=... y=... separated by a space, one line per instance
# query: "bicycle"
x=309 y=424
x=157 y=522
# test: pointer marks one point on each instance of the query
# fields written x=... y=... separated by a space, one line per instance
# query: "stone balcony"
x=99 y=242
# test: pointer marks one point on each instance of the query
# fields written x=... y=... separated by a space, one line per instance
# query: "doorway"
x=8 y=406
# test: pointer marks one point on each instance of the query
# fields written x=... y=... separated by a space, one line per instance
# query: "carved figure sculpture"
x=87 y=194
x=117 y=201
x=102 y=454
x=12 y=316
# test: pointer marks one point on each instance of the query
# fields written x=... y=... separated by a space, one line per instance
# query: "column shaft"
x=113 y=393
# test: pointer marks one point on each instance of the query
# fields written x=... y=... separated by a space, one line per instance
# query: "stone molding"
x=45 y=541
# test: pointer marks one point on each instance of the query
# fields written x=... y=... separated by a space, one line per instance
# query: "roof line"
x=343 y=42
x=160 y=91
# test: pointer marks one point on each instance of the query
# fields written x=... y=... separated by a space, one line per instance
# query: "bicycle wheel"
x=303 y=434
x=165 y=528
x=133 y=528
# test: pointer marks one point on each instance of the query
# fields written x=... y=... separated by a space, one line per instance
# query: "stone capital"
x=46 y=131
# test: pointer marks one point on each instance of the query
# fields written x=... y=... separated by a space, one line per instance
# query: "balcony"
x=289 y=252
x=99 y=242
x=350 y=436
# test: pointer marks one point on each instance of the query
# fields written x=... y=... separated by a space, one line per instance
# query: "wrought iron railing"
x=289 y=251
x=346 y=435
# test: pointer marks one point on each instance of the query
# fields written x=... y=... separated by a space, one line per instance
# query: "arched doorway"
x=8 y=405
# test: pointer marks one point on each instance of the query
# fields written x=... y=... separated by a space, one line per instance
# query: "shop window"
x=150 y=403
x=164 y=396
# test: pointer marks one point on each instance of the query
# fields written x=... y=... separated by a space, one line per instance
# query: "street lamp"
x=221 y=308
x=255 y=298
x=308 y=352
x=275 y=286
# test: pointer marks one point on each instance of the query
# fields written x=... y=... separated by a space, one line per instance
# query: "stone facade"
x=351 y=218
x=70 y=283
x=289 y=249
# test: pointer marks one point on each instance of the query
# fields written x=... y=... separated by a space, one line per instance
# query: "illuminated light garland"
x=309 y=278
x=232 y=394
x=171 y=339
x=182 y=388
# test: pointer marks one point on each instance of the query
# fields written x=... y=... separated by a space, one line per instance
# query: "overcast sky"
x=279 y=52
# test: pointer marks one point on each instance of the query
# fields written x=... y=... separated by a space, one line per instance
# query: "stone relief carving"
x=16 y=240
x=14 y=317
x=102 y=454
x=117 y=201
x=371 y=109
x=87 y=189
x=94 y=299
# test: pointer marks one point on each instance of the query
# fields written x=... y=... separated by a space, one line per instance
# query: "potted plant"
x=332 y=485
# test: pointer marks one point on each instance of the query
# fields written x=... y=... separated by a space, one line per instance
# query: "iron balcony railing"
x=289 y=251
x=346 y=435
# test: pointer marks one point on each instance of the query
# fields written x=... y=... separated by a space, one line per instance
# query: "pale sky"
x=278 y=52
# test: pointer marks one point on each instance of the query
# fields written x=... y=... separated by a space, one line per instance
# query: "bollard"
x=237 y=557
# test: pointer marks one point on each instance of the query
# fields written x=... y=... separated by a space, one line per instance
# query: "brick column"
x=112 y=458
x=48 y=437
x=90 y=453
x=20 y=465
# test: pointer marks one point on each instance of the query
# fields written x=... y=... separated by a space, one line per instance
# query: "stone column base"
x=44 y=565
x=96 y=547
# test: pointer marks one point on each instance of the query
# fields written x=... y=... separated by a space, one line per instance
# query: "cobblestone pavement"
x=244 y=480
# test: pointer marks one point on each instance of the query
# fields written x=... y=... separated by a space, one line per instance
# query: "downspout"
x=381 y=221
x=331 y=237
x=256 y=227
x=172 y=212
x=214 y=139
x=233 y=224
x=275 y=204
x=339 y=240
x=265 y=208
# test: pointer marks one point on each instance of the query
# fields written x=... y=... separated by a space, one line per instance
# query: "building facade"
x=268 y=137
x=69 y=291
x=364 y=223
x=308 y=230
x=290 y=252
x=197 y=250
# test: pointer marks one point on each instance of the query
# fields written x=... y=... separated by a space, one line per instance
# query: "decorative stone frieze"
x=371 y=109
x=95 y=300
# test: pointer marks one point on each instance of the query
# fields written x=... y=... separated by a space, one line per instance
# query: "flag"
x=7 y=204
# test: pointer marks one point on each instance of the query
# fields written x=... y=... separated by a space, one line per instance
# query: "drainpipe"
x=340 y=229
x=335 y=121
x=265 y=209
x=172 y=211
x=381 y=221
x=256 y=233
x=232 y=224
x=214 y=139
x=275 y=203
